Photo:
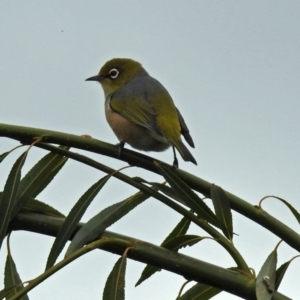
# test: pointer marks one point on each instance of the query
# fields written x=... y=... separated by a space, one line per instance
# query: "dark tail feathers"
x=184 y=152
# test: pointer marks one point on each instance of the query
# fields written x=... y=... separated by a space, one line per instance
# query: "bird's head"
x=115 y=73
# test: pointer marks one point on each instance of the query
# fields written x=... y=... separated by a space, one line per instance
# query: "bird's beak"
x=95 y=78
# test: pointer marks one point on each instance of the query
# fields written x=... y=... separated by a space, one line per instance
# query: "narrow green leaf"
x=280 y=272
x=3 y=156
x=34 y=205
x=173 y=244
x=200 y=291
x=115 y=285
x=69 y=225
x=12 y=278
x=40 y=175
x=265 y=281
x=9 y=195
x=222 y=210
x=139 y=179
x=292 y=209
x=95 y=226
x=168 y=191
x=181 y=241
x=187 y=195
x=180 y=229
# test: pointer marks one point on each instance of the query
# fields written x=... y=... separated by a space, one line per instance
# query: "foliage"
x=182 y=192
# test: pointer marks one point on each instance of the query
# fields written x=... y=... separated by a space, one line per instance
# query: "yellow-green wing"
x=137 y=110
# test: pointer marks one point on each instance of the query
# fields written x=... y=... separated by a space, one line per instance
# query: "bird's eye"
x=113 y=73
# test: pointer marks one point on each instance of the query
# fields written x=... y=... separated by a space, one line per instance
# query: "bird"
x=140 y=110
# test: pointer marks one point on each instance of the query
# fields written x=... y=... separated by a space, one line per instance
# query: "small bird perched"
x=140 y=110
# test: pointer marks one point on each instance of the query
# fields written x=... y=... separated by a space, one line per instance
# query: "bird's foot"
x=120 y=147
x=175 y=162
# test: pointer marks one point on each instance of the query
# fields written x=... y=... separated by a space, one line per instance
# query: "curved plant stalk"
x=242 y=265
x=194 y=269
x=27 y=135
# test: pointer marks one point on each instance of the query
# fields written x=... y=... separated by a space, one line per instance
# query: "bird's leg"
x=175 y=162
x=120 y=147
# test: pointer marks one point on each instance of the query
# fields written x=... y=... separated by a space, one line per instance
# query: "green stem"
x=252 y=212
x=242 y=265
x=230 y=281
x=28 y=135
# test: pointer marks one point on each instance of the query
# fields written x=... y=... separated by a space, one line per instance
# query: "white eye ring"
x=113 y=73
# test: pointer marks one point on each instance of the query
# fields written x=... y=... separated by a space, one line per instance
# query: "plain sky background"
x=232 y=68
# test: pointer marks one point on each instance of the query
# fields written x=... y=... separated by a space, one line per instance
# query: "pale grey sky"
x=232 y=68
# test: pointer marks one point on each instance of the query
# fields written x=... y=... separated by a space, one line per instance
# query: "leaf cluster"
x=184 y=193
